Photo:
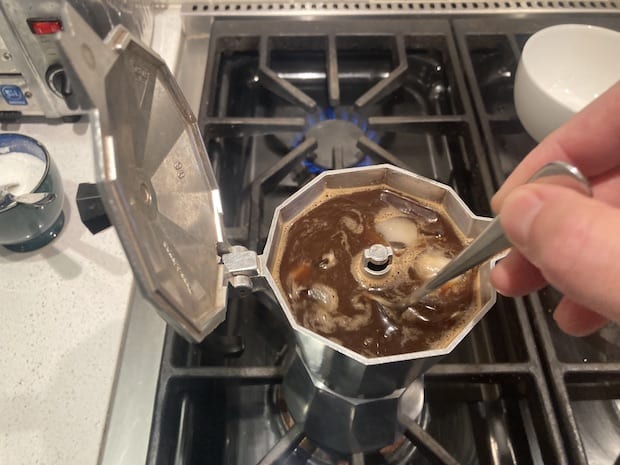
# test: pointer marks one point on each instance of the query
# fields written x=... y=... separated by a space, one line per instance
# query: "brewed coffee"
x=322 y=272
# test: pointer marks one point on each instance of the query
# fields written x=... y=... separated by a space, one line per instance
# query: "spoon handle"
x=489 y=243
x=492 y=240
x=36 y=199
x=33 y=199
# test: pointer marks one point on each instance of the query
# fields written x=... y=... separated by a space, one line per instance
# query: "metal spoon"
x=34 y=199
x=492 y=240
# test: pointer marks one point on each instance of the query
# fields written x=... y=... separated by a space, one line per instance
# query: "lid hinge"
x=242 y=265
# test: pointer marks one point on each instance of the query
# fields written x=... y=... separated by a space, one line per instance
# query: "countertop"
x=80 y=346
x=64 y=310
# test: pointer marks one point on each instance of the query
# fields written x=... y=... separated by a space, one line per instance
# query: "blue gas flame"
x=330 y=113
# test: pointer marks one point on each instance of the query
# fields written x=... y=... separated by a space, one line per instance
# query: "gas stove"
x=287 y=96
x=284 y=91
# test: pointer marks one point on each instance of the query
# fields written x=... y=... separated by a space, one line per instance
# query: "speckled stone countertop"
x=63 y=310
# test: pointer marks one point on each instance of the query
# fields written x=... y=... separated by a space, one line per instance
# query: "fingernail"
x=518 y=214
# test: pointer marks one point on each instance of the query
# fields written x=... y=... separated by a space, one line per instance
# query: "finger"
x=577 y=320
x=571 y=239
x=515 y=276
x=590 y=140
x=607 y=187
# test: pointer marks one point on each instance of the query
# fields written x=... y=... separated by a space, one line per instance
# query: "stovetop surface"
x=283 y=101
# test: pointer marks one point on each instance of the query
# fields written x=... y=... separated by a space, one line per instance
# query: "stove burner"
x=336 y=132
x=336 y=139
x=400 y=452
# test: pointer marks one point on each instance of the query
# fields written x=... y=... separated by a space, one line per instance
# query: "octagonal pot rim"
x=368 y=361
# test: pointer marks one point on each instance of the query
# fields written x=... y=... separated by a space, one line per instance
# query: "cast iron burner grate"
x=391 y=86
x=487 y=402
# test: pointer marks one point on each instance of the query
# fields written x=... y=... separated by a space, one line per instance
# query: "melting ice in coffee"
x=321 y=270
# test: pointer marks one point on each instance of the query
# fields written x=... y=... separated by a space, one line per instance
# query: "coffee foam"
x=330 y=193
x=398 y=274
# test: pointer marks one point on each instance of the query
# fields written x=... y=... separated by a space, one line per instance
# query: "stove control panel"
x=32 y=80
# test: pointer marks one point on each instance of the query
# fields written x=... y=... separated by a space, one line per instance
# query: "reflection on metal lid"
x=154 y=174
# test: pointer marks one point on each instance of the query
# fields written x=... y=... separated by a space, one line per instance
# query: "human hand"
x=561 y=237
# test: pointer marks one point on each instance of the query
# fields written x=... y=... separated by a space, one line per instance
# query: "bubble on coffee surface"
x=319 y=268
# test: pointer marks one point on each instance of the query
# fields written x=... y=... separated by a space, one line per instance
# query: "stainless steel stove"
x=432 y=94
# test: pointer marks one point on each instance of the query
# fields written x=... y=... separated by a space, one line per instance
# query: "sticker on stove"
x=13 y=95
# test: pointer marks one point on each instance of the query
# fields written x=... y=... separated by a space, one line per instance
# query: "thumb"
x=571 y=239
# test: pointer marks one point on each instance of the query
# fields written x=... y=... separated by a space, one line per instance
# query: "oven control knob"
x=58 y=81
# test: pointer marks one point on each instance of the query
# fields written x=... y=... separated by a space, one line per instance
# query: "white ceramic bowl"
x=562 y=69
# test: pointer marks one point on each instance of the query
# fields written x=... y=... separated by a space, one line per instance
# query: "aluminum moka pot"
x=340 y=368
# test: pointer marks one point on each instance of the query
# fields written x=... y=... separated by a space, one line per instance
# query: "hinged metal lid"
x=153 y=174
